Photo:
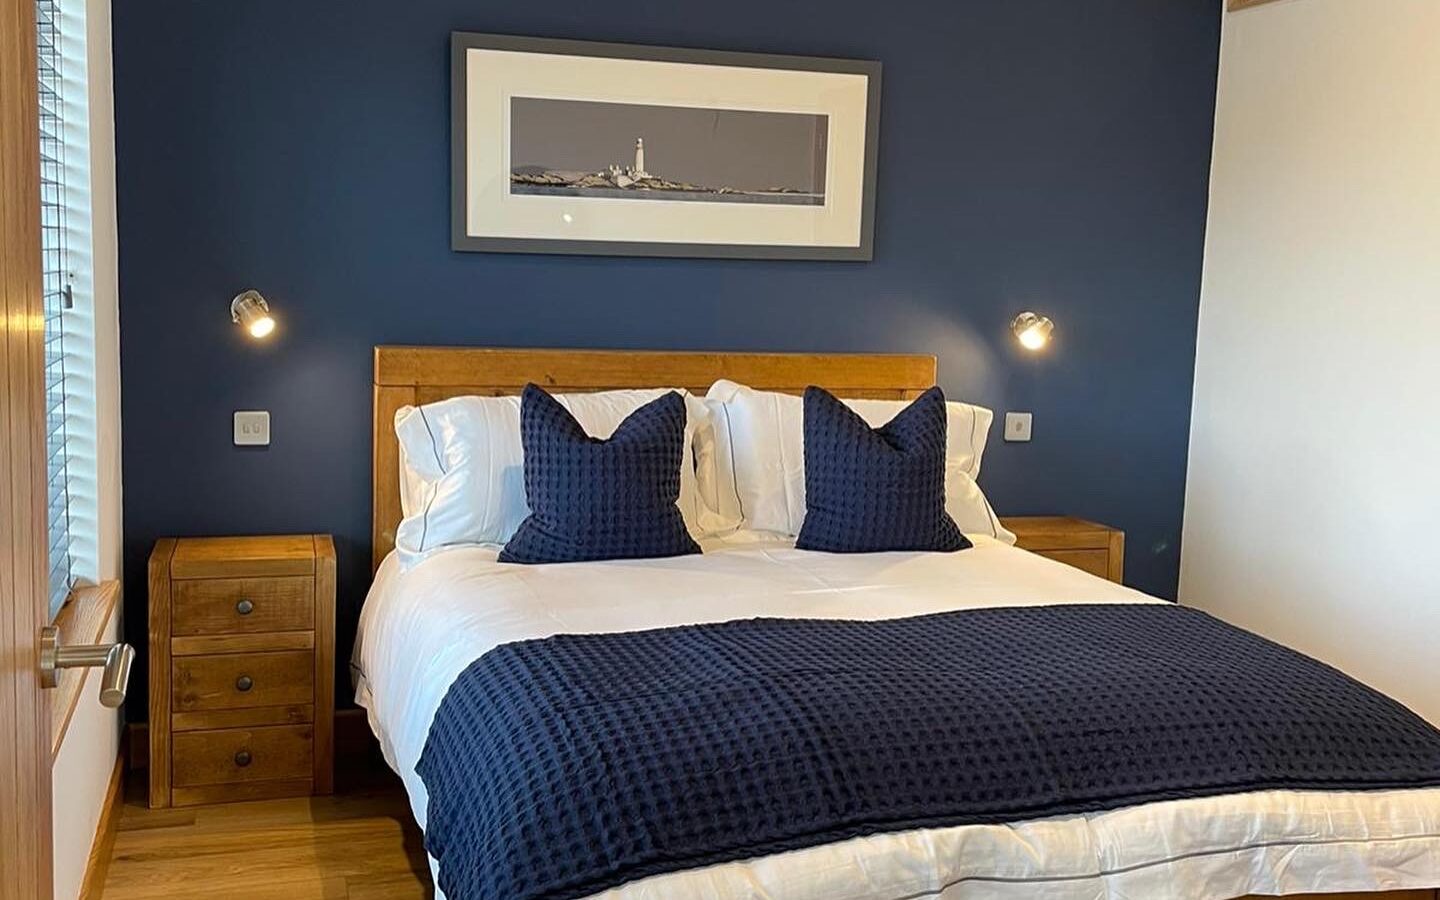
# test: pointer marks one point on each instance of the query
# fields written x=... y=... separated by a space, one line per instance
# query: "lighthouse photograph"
x=583 y=148
x=562 y=146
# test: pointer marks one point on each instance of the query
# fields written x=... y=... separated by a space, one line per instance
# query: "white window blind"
x=54 y=214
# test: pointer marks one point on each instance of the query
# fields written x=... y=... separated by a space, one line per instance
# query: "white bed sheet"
x=420 y=629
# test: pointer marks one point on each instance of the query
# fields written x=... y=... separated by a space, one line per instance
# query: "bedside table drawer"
x=237 y=755
x=1096 y=562
x=233 y=681
x=242 y=605
x=1084 y=545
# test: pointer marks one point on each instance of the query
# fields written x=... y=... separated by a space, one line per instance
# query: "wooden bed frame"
x=407 y=376
x=413 y=375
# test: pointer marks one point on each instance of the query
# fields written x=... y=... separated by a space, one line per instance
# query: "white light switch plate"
x=252 y=428
x=1017 y=426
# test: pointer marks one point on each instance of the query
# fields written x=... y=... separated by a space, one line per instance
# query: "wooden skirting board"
x=104 y=846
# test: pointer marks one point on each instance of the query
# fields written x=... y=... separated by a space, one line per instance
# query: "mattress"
x=420 y=628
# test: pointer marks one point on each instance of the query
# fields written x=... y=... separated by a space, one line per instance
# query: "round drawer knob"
x=242 y=758
x=244 y=683
x=244 y=607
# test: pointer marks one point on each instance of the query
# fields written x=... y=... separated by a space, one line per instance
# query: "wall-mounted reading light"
x=1032 y=330
x=250 y=311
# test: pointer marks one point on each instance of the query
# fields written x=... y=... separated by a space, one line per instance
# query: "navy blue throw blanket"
x=557 y=768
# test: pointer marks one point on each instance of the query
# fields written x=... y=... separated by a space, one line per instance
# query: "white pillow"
x=758 y=448
x=462 y=465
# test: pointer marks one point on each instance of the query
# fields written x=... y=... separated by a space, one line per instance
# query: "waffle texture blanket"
x=560 y=767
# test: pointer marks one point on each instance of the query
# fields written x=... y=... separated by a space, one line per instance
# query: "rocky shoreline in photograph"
x=620 y=183
x=634 y=182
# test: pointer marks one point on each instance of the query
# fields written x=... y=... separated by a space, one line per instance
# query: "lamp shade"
x=250 y=311
x=1032 y=330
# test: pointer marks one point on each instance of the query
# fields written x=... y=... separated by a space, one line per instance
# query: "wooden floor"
x=360 y=844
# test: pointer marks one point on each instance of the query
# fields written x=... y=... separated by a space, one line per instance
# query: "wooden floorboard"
x=357 y=844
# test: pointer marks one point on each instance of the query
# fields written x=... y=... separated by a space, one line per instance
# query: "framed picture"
x=624 y=150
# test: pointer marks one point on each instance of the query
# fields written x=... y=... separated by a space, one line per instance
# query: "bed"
x=422 y=627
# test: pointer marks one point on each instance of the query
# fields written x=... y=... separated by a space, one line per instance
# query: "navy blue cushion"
x=873 y=489
x=600 y=499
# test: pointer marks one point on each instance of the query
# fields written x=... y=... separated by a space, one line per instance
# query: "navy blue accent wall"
x=1044 y=154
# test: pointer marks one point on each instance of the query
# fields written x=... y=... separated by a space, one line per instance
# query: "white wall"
x=81 y=777
x=82 y=769
x=1314 y=481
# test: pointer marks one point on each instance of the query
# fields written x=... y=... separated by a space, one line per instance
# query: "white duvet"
x=420 y=628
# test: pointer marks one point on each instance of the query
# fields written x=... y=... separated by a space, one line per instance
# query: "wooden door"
x=25 y=806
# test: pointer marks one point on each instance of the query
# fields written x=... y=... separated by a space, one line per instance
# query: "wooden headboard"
x=414 y=375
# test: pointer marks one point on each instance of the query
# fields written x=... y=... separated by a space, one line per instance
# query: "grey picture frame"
x=461 y=41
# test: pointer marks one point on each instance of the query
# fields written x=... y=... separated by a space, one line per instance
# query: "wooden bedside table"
x=242 y=668
x=1097 y=549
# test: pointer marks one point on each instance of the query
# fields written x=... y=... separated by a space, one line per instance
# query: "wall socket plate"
x=1017 y=426
x=252 y=428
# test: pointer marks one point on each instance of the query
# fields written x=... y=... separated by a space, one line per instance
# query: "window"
x=69 y=337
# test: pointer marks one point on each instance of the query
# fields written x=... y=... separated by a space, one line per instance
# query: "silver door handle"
x=115 y=658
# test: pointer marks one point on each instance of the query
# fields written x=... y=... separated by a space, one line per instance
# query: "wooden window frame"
x=81 y=620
